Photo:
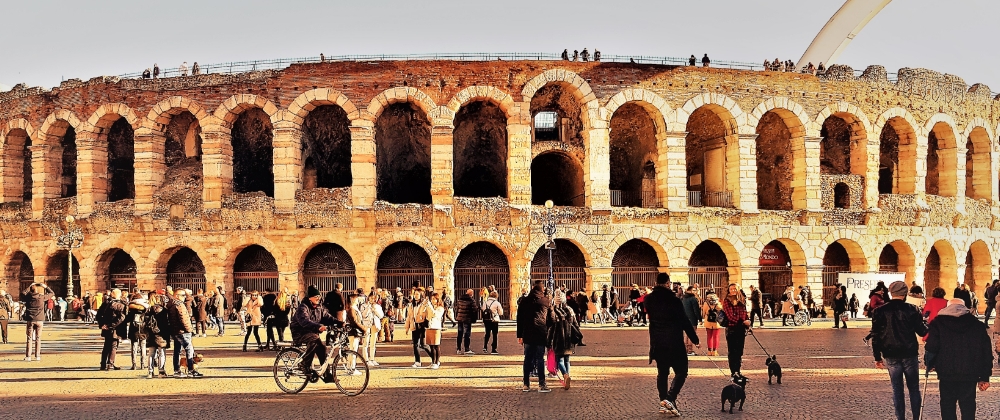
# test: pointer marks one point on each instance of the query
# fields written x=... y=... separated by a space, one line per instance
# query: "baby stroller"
x=626 y=315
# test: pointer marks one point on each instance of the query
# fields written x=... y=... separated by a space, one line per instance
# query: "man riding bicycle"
x=309 y=320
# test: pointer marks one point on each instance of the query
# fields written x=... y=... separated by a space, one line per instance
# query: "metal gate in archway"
x=774 y=280
x=831 y=276
x=255 y=269
x=329 y=264
x=714 y=278
x=403 y=265
x=567 y=266
x=185 y=270
x=634 y=263
x=480 y=265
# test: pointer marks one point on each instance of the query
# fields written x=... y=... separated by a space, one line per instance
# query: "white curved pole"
x=840 y=30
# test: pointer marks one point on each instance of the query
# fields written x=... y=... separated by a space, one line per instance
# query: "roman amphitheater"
x=386 y=172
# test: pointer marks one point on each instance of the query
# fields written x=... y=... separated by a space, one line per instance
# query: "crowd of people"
x=581 y=56
x=182 y=70
x=788 y=66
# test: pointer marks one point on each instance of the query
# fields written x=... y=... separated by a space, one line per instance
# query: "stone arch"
x=370 y=257
x=115 y=268
x=247 y=136
x=636 y=170
x=501 y=99
x=580 y=88
x=403 y=262
x=944 y=273
x=979 y=178
x=592 y=253
x=898 y=146
x=106 y=115
x=396 y=95
x=55 y=125
x=309 y=100
x=653 y=103
x=978 y=269
x=19 y=271
x=774 y=279
x=712 y=150
x=942 y=156
x=481 y=264
x=15 y=160
x=731 y=244
x=851 y=243
x=901 y=259
x=230 y=109
x=59 y=171
x=403 y=152
x=858 y=129
x=112 y=156
x=651 y=237
x=322 y=148
x=480 y=150
x=781 y=184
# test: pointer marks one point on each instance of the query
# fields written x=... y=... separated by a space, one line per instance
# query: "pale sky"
x=45 y=41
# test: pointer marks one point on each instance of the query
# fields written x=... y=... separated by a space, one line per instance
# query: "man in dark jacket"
x=693 y=311
x=33 y=300
x=111 y=317
x=180 y=325
x=466 y=314
x=893 y=327
x=958 y=348
x=668 y=323
x=755 y=308
x=532 y=334
x=991 y=300
x=309 y=320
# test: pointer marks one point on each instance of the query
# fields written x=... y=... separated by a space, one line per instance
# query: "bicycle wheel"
x=350 y=372
x=287 y=374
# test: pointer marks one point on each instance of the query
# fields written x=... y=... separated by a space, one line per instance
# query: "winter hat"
x=898 y=288
x=559 y=297
x=312 y=291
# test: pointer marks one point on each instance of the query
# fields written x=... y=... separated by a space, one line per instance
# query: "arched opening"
x=555 y=113
x=404 y=265
x=121 y=161
x=775 y=270
x=897 y=158
x=403 y=155
x=836 y=260
x=328 y=264
x=706 y=150
x=709 y=268
x=632 y=157
x=482 y=264
x=17 y=166
x=255 y=269
x=55 y=274
x=635 y=262
x=326 y=148
x=20 y=274
x=888 y=260
x=182 y=140
x=480 y=151
x=897 y=257
x=557 y=177
x=977 y=165
x=774 y=163
x=940 y=269
x=835 y=148
x=941 y=161
x=253 y=153
x=932 y=270
x=977 y=270
x=568 y=266
x=67 y=146
x=117 y=269
x=841 y=196
x=185 y=270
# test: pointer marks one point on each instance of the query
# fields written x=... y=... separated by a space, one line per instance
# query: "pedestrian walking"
x=449 y=307
x=240 y=298
x=389 y=320
x=156 y=326
x=958 y=349
x=111 y=320
x=693 y=311
x=266 y=312
x=255 y=315
x=582 y=305
x=6 y=313
x=737 y=323
x=416 y=324
x=854 y=305
x=787 y=305
x=605 y=305
x=840 y=307
x=563 y=334
x=916 y=297
x=334 y=302
x=962 y=292
x=991 y=300
x=895 y=326
x=356 y=329
x=200 y=312
x=137 y=308
x=935 y=304
x=531 y=333
x=371 y=318
x=466 y=313
x=61 y=308
x=710 y=313
x=278 y=321
x=667 y=324
x=565 y=55
x=216 y=308
x=755 y=305
x=180 y=332
x=435 y=321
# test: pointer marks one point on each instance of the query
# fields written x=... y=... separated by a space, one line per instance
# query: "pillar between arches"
x=45 y=183
x=149 y=172
x=91 y=177
x=442 y=155
x=287 y=163
x=745 y=184
x=217 y=167
x=362 y=165
x=519 y=163
x=814 y=279
x=671 y=176
x=750 y=276
x=812 y=176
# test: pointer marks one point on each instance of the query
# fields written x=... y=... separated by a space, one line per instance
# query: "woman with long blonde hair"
x=279 y=318
x=737 y=323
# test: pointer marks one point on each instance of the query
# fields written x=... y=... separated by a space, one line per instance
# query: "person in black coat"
x=958 y=348
x=266 y=312
x=840 y=307
x=111 y=319
x=668 y=324
x=532 y=334
x=466 y=313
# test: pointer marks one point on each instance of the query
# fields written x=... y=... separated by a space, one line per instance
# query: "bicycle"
x=348 y=369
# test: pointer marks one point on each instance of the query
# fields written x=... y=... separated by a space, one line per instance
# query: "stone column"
x=217 y=166
x=91 y=173
x=679 y=275
x=45 y=177
x=871 y=172
x=814 y=279
x=597 y=171
x=671 y=170
x=362 y=164
x=744 y=157
x=810 y=176
x=442 y=154
x=519 y=157
x=287 y=165
x=149 y=167
x=750 y=276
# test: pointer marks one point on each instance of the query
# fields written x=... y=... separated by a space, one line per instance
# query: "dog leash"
x=750 y=333
x=717 y=366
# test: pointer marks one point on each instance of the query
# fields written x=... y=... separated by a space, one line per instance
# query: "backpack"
x=149 y=323
x=713 y=315
x=488 y=312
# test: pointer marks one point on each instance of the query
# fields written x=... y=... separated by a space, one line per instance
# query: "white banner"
x=862 y=283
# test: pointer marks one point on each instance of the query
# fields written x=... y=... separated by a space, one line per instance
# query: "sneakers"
x=459 y=351
x=435 y=366
x=356 y=372
x=485 y=351
x=38 y=358
x=544 y=389
x=27 y=359
x=470 y=352
x=692 y=354
x=669 y=408
x=494 y=353
x=372 y=363
x=163 y=374
x=149 y=375
x=527 y=388
x=415 y=365
x=179 y=374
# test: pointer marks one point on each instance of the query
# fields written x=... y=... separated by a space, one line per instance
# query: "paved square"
x=828 y=374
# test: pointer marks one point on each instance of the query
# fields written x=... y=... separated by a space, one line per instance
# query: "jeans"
x=898 y=369
x=760 y=316
x=220 y=323
x=962 y=392
x=157 y=359
x=464 y=335
x=989 y=310
x=736 y=338
x=664 y=362
x=34 y=335
x=138 y=351
x=183 y=341
x=417 y=338
x=109 y=351
x=492 y=328
x=562 y=363
x=534 y=362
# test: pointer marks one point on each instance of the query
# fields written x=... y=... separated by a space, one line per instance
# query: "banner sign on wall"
x=862 y=283
x=772 y=256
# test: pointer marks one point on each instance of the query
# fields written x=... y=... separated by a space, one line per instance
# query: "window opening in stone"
x=17 y=167
x=977 y=269
x=482 y=264
x=556 y=177
x=835 y=148
x=404 y=265
x=977 y=165
x=121 y=161
x=403 y=155
x=326 y=148
x=775 y=270
x=933 y=178
x=480 y=151
x=942 y=161
x=568 y=266
x=68 y=143
x=183 y=139
x=633 y=141
x=635 y=262
x=705 y=153
x=121 y=272
x=932 y=270
x=888 y=260
x=55 y=274
x=836 y=260
x=21 y=274
x=185 y=270
x=26 y=181
x=841 y=196
x=547 y=126
x=888 y=161
x=328 y=264
x=252 y=137
x=255 y=269
x=560 y=115
x=709 y=268
x=774 y=163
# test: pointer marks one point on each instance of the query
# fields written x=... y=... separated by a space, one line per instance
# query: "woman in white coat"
x=371 y=319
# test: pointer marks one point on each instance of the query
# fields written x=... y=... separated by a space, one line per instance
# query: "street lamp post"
x=69 y=240
x=549 y=229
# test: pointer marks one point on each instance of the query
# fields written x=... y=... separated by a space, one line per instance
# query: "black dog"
x=735 y=392
x=773 y=369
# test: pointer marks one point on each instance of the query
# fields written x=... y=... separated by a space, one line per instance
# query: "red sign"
x=771 y=255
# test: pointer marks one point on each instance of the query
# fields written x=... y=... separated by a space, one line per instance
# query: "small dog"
x=773 y=369
x=735 y=392
x=198 y=358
